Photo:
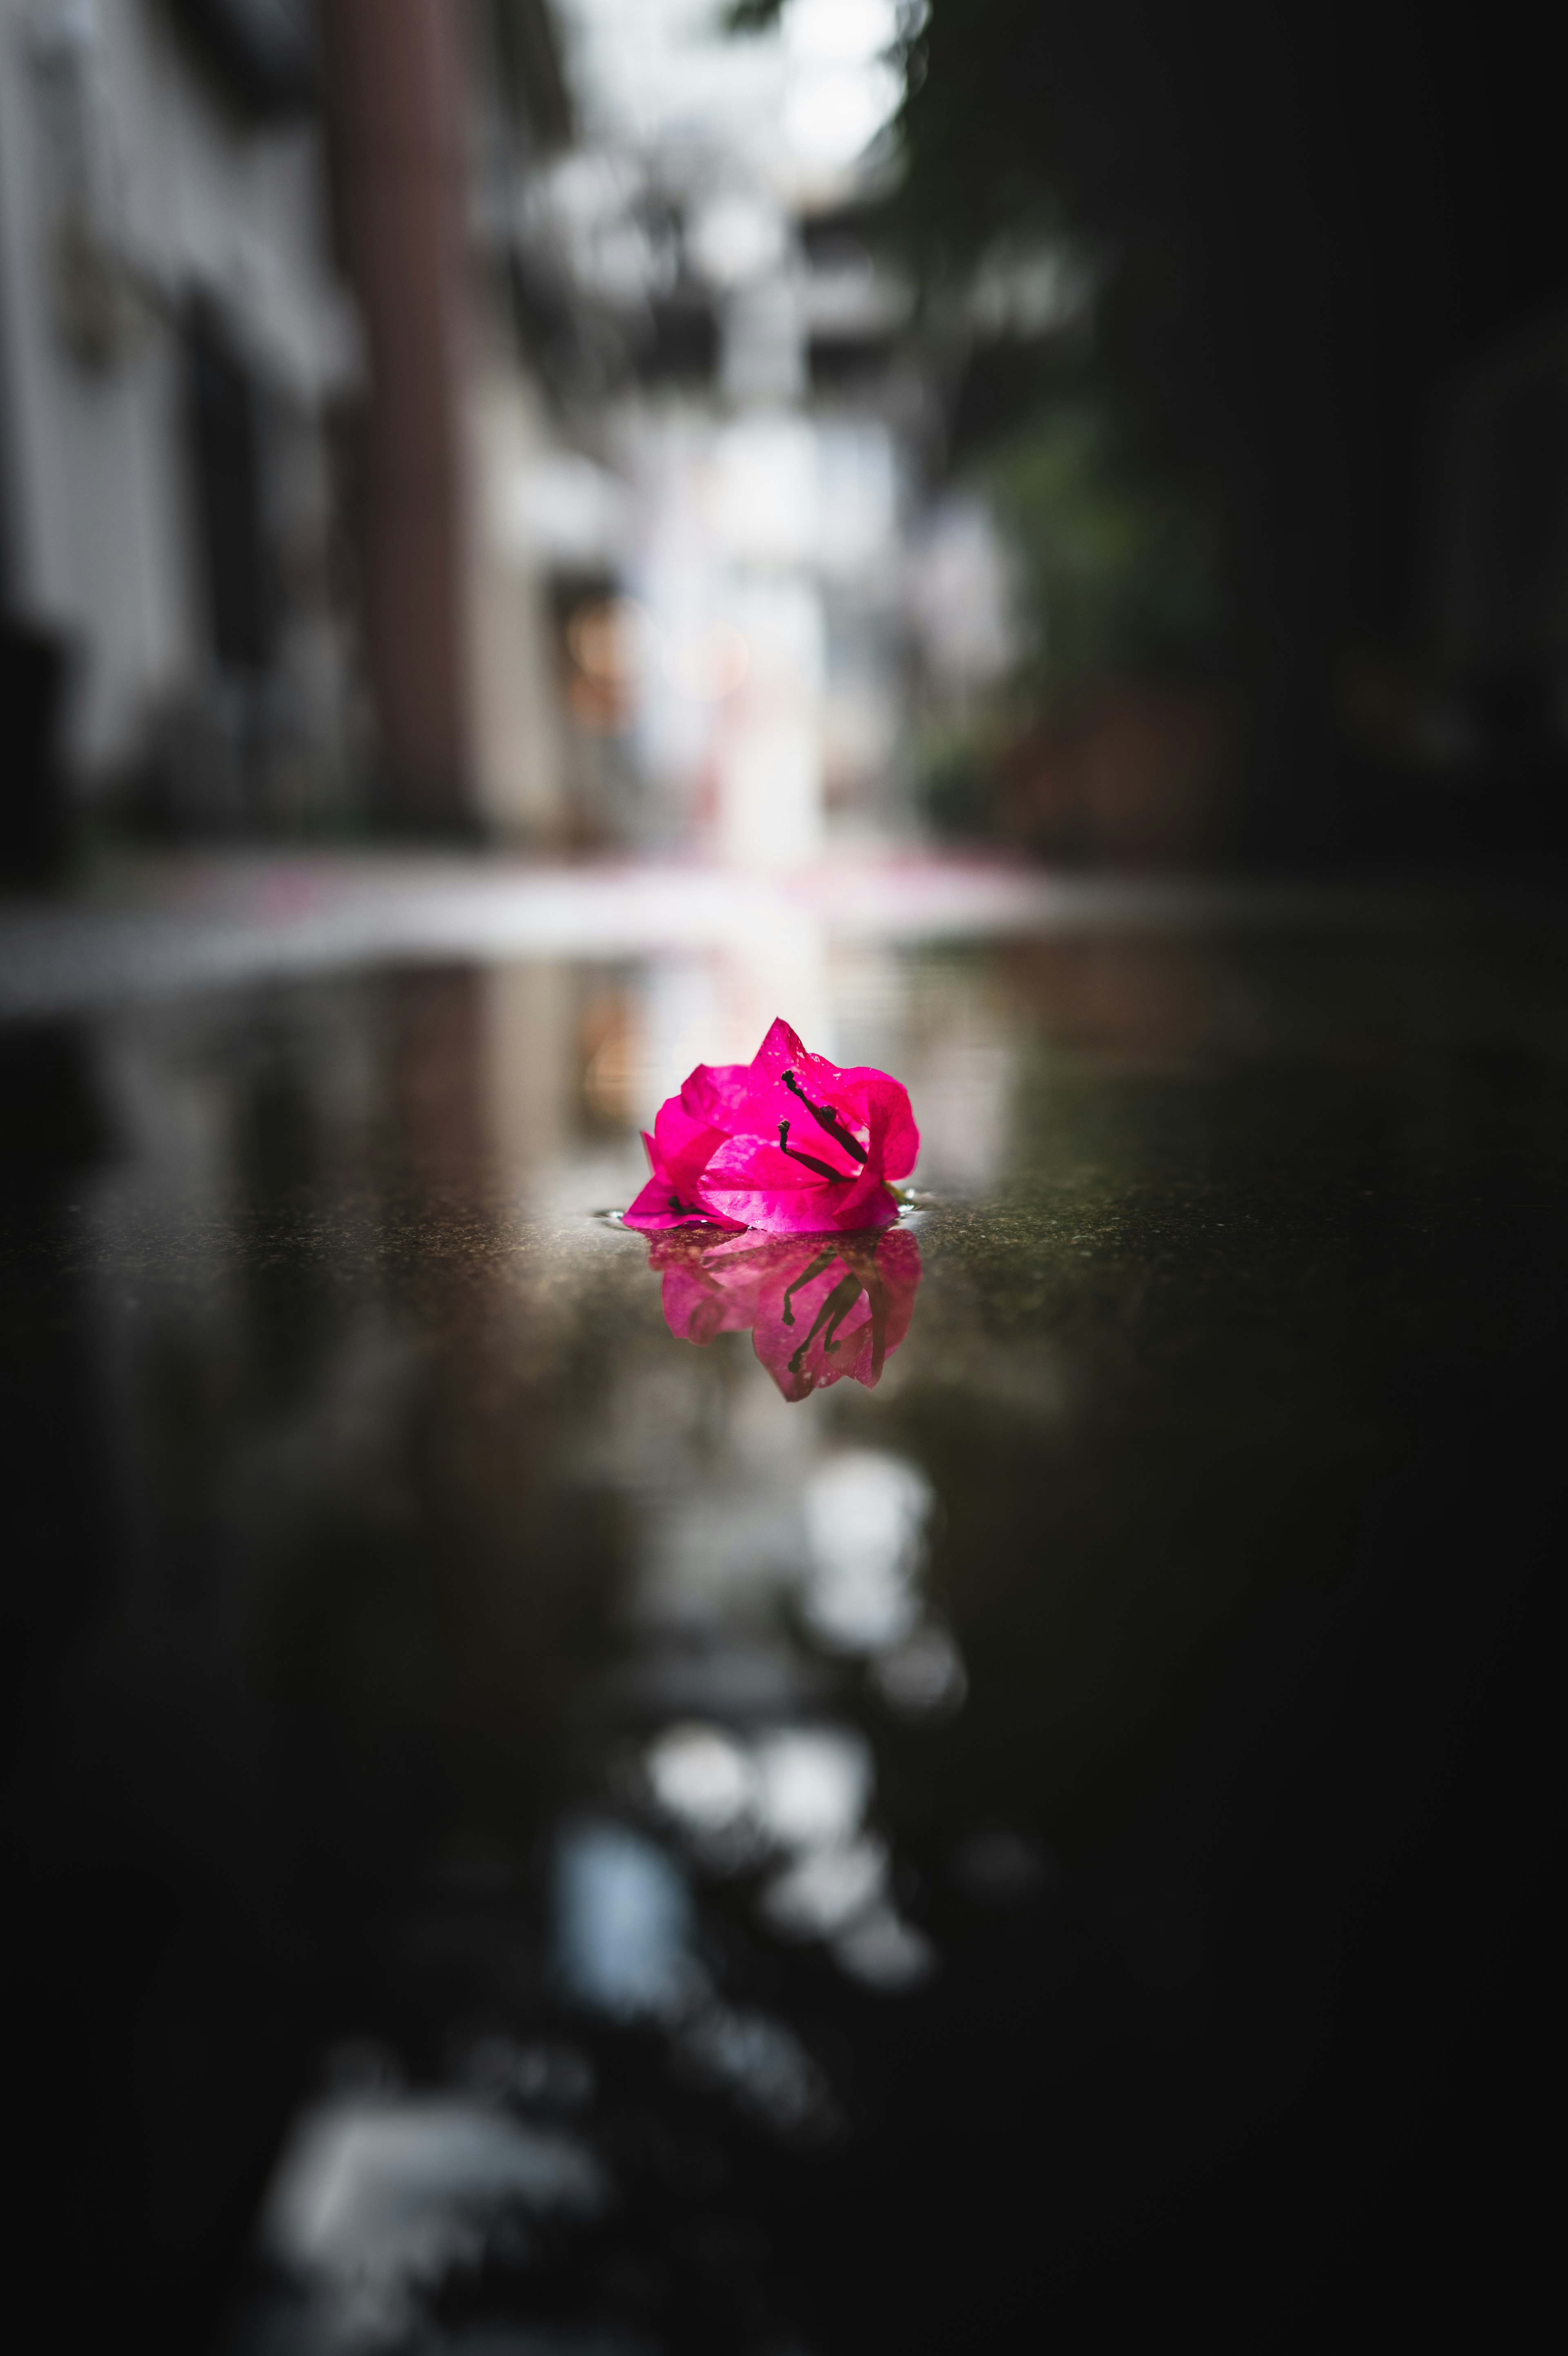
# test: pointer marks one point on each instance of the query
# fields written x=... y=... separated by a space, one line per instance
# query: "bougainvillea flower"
x=787 y=1143
x=819 y=1307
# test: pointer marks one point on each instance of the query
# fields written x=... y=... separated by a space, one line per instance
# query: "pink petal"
x=717 y=1094
x=685 y=1145
x=868 y=1088
x=761 y=1162
x=669 y=1199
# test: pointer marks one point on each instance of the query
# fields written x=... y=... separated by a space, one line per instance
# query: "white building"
x=171 y=337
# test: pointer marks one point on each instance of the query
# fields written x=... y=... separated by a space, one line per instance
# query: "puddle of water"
x=790 y=1846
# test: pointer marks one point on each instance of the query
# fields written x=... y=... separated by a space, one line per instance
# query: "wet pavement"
x=153 y=927
x=557 y=1811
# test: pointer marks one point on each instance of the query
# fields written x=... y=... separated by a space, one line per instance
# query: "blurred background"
x=761 y=432
x=1030 y=539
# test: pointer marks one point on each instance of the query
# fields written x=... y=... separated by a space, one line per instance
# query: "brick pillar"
x=393 y=72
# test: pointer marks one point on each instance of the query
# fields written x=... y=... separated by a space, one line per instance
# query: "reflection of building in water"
x=760 y=1591
x=599 y=1637
x=499 y=1770
x=638 y=1745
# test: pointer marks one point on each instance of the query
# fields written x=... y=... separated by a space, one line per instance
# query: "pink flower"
x=786 y=1143
x=819 y=1307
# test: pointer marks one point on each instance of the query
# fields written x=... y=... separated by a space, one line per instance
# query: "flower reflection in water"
x=818 y=1307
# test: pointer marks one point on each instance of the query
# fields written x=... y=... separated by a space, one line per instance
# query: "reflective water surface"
x=551 y=1821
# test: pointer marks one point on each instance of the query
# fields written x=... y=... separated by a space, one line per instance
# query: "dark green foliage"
x=1115 y=559
x=980 y=161
x=957 y=789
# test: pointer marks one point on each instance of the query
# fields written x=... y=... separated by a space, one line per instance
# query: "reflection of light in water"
x=749 y=1679
x=840 y=1894
x=814 y=1782
x=1000 y=1867
x=758 y=2060
x=729 y=1774
x=375 y=2200
x=724 y=1552
x=923 y=1677
x=545 y=2073
x=885 y=1952
x=827 y=1889
x=624 y=1933
x=623 y=1924
x=860 y=1607
x=702 y=1777
x=866 y=1516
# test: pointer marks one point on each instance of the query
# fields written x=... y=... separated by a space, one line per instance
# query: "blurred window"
x=225 y=454
x=264 y=50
